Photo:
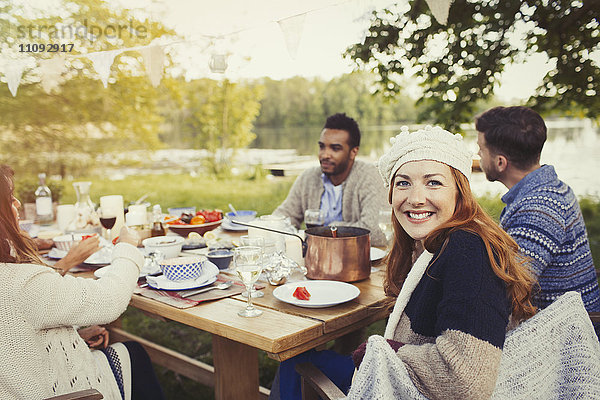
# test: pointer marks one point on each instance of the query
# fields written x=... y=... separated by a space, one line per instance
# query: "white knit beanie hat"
x=429 y=143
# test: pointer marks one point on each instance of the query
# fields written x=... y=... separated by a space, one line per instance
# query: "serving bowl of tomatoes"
x=200 y=222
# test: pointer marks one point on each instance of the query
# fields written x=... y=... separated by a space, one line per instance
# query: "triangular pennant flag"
x=440 y=9
x=154 y=59
x=13 y=73
x=50 y=71
x=292 y=28
x=102 y=62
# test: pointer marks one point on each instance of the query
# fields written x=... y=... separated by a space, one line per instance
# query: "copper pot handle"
x=304 y=245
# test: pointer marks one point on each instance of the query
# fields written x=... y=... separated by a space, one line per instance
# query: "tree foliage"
x=62 y=132
x=308 y=102
x=461 y=62
x=220 y=117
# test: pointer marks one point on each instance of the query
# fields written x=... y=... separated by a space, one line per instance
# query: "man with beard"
x=349 y=192
x=542 y=213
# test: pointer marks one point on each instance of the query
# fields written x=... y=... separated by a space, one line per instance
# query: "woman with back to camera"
x=42 y=353
x=455 y=274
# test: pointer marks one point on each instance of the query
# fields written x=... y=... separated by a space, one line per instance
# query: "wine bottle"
x=157 y=229
x=43 y=202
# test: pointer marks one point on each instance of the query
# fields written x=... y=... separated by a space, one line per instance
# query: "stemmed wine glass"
x=385 y=223
x=256 y=242
x=108 y=219
x=248 y=265
x=314 y=217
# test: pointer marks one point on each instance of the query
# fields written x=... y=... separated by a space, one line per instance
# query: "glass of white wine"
x=385 y=223
x=248 y=265
x=256 y=241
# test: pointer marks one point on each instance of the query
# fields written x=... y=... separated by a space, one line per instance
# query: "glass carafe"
x=86 y=218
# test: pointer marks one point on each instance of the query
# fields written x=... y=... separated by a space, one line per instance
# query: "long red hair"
x=502 y=250
x=15 y=246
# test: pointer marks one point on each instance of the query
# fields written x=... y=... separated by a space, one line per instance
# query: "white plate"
x=100 y=272
x=181 y=285
x=101 y=257
x=377 y=254
x=230 y=226
x=322 y=293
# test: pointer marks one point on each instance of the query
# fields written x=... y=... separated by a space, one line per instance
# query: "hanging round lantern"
x=218 y=63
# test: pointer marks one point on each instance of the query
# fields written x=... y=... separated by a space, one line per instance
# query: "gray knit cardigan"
x=362 y=197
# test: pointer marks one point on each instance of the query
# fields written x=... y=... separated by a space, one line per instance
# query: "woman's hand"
x=78 y=254
x=43 y=244
x=95 y=336
x=359 y=353
x=130 y=236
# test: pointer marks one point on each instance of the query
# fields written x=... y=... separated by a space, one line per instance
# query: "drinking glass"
x=108 y=218
x=256 y=241
x=248 y=265
x=385 y=223
x=314 y=217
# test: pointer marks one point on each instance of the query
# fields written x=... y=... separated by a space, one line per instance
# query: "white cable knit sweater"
x=42 y=354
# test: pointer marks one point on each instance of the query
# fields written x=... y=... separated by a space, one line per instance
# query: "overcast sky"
x=259 y=49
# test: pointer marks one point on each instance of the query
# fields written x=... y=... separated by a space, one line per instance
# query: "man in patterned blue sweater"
x=542 y=213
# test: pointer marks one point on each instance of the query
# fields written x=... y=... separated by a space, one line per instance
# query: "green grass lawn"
x=260 y=194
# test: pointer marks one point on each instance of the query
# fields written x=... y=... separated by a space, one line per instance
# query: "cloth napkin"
x=173 y=298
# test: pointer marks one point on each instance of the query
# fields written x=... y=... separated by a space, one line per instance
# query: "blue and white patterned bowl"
x=241 y=215
x=182 y=268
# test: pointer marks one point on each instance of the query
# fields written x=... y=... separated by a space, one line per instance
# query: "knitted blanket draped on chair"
x=553 y=355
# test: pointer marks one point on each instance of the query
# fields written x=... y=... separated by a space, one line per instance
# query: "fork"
x=221 y=286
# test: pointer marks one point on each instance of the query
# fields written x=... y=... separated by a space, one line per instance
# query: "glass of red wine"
x=314 y=218
x=107 y=219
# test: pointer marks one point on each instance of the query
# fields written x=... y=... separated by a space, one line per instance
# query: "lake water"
x=573 y=147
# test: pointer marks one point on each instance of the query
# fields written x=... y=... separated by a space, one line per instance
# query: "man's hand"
x=95 y=336
x=78 y=254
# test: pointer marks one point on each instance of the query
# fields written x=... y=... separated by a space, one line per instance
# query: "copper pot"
x=346 y=257
x=343 y=258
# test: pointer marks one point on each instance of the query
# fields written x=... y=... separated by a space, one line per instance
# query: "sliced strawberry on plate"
x=301 y=293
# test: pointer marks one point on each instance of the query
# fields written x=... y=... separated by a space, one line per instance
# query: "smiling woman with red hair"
x=454 y=275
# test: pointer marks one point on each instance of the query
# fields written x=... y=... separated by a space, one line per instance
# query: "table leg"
x=236 y=369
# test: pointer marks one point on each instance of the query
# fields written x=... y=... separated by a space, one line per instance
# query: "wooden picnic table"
x=282 y=331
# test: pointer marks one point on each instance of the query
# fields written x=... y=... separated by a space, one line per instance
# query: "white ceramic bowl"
x=182 y=268
x=170 y=246
x=65 y=242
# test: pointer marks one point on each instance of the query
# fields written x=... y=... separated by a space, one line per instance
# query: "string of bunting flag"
x=153 y=55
